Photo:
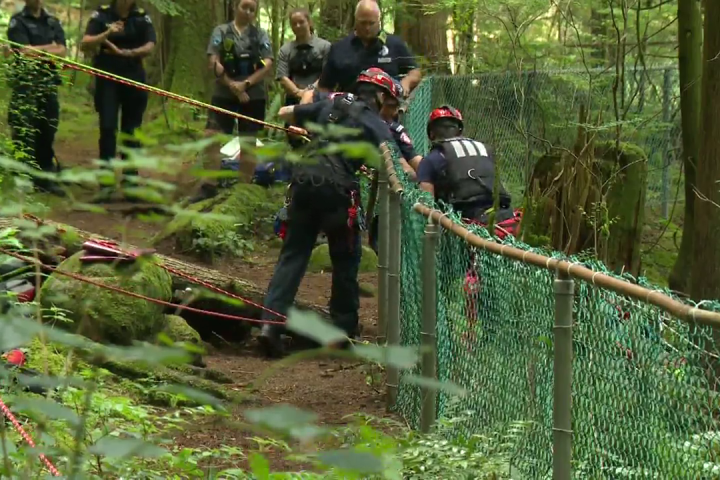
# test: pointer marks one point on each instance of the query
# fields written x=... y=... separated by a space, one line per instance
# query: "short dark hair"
x=444 y=128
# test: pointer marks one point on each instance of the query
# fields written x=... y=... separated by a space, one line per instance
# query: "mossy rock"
x=179 y=331
x=320 y=260
x=244 y=211
x=106 y=316
x=367 y=290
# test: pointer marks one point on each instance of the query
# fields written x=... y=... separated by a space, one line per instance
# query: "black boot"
x=270 y=341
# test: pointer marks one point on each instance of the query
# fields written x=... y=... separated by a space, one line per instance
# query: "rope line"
x=87 y=280
x=178 y=273
x=141 y=86
x=9 y=415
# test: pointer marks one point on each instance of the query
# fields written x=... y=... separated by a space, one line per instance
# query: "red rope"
x=6 y=411
x=115 y=78
x=128 y=293
x=215 y=289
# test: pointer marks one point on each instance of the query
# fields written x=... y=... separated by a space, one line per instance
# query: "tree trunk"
x=187 y=37
x=425 y=33
x=705 y=276
x=336 y=18
x=690 y=64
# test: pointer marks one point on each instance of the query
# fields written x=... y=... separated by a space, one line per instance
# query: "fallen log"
x=219 y=280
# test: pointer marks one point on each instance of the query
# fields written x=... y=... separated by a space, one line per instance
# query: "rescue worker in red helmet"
x=460 y=171
x=324 y=196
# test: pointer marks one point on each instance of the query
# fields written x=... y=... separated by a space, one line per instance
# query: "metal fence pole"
x=429 y=320
x=393 y=288
x=383 y=245
x=667 y=93
x=562 y=372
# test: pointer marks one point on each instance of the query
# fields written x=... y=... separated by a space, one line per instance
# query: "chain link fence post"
x=383 y=245
x=562 y=374
x=429 y=319
x=393 y=292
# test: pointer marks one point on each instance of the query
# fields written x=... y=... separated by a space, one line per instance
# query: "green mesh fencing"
x=644 y=383
x=523 y=116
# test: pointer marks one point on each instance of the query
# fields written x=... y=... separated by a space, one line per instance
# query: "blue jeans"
x=312 y=210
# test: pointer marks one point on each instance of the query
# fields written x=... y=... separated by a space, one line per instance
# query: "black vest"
x=469 y=176
x=335 y=167
x=305 y=62
x=244 y=62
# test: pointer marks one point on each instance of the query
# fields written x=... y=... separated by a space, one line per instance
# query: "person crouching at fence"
x=460 y=171
x=324 y=196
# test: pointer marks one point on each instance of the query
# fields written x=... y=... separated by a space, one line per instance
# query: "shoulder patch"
x=13 y=22
x=399 y=128
x=148 y=19
x=95 y=14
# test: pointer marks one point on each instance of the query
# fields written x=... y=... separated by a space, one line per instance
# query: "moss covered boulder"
x=178 y=330
x=320 y=260
x=106 y=316
x=227 y=223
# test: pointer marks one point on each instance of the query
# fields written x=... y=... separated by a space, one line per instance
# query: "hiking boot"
x=270 y=342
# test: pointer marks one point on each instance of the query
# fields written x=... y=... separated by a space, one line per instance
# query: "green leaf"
x=360 y=462
x=259 y=466
x=47 y=407
x=310 y=325
x=192 y=394
x=447 y=387
x=114 y=447
x=281 y=417
x=147 y=354
x=396 y=356
x=16 y=333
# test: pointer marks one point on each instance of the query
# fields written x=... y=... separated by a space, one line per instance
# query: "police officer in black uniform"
x=460 y=171
x=367 y=47
x=34 y=110
x=300 y=61
x=121 y=34
x=324 y=196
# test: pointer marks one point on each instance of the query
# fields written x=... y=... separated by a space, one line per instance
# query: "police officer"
x=120 y=35
x=324 y=196
x=368 y=47
x=460 y=171
x=240 y=56
x=34 y=111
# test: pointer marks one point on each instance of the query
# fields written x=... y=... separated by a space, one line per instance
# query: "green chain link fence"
x=644 y=383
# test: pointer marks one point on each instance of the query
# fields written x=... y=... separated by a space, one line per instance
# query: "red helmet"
x=446 y=111
x=378 y=77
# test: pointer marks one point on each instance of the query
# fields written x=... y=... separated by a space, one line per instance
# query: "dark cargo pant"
x=314 y=209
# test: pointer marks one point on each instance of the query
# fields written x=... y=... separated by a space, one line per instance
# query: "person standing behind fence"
x=121 y=35
x=300 y=61
x=241 y=57
x=34 y=111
